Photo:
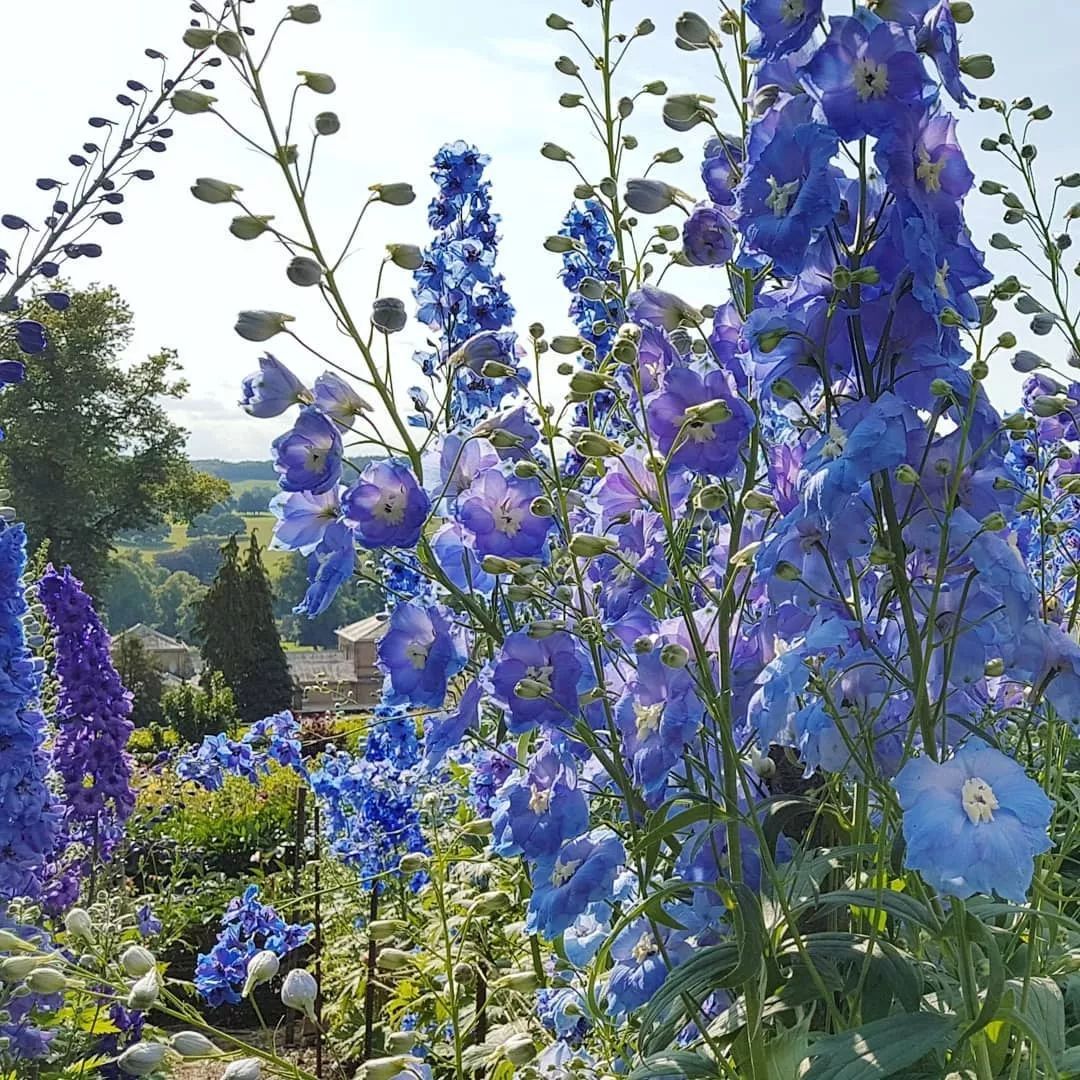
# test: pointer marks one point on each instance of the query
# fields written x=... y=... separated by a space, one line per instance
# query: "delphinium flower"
x=974 y=823
x=247 y=927
x=420 y=652
x=459 y=293
x=29 y=817
x=93 y=719
x=273 y=739
x=594 y=249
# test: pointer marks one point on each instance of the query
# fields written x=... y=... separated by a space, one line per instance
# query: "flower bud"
x=940 y=388
x=394 y=194
x=588 y=382
x=979 y=370
x=490 y=903
x=299 y=991
x=519 y=1049
x=413 y=862
x=559 y=245
x=495 y=564
x=692 y=29
x=565 y=344
x=145 y=992
x=137 y=961
x=190 y=102
x=78 y=924
x=407 y=256
x=531 y=689
x=384 y=929
x=978 y=66
x=15 y=968
x=759 y=500
x=786 y=571
x=522 y=982
x=193 y=1044
x=586 y=546
x=591 y=444
x=1025 y=361
x=261 y=968
x=243 y=1069
x=717 y=411
x=304 y=271
x=1046 y=405
x=327 y=123
x=905 y=474
x=391 y=959
x=762 y=764
x=46 y=980
x=685 y=111
x=994 y=522
x=304 y=13
x=198 y=37
x=10 y=942
x=674 y=655
x=525 y=470
x=230 y=43
x=318 y=81
x=464 y=974
x=650 y=196
x=250 y=226
x=384 y=1068
x=142 y=1058
x=542 y=507
x=555 y=153
x=388 y=314
x=644 y=645
x=208 y=190
x=994 y=668
x=261 y=325
x=401 y=1042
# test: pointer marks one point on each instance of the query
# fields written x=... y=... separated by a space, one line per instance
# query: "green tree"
x=90 y=451
x=130 y=592
x=235 y=627
x=177 y=600
x=142 y=677
x=193 y=712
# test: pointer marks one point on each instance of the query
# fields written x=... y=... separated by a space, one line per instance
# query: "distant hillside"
x=235 y=471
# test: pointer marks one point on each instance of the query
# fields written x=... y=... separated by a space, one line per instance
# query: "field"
x=260 y=524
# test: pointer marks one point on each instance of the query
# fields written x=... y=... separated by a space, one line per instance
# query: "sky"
x=411 y=75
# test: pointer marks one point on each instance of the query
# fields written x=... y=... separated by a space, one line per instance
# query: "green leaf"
x=1044 y=1011
x=882 y=1048
x=675 y=1063
x=897 y=904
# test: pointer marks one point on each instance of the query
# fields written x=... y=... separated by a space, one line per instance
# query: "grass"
x=262 y=525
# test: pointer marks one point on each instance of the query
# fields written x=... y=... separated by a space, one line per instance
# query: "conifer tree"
x=236 y=630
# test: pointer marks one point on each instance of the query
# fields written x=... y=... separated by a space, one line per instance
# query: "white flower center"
x=941 y=280
x=792 y=10
x=562 y=872
x=645 y=947
x=928 y=172
x=541 y=674
x=698 y=431
x=508 y=518
x=623 y=573
x=871 y=79
x=648 y=719
x=540 y=800
x=781 y=196
x=391 y=507
x=417 y=652
x=837 y=440
x=979 y=801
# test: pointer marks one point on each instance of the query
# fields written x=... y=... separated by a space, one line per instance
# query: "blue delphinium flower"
x=273 y=739
x=29 y=817
x=642 y=956
x=553 y=669
x=496 y=511
x=272 y=389
x=420 y=653
x=331 y=564
x=597 y=320
x=247 y=927
x=308 y=457
x=386 y=507
x=708 y=238
x=973 y=823
x=566 y=883
x=303 y=518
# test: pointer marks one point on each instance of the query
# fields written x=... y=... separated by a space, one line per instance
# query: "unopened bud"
x=413 y=862
x=394 y=194
x=905 y=474
x=190 y=102
x=519 y=1049
x=994 y=668
x=787 y=571
x=407 y=256
x=262 y=967
x=401 y=1042
x=391 y=959
x=304 y=13
x=208 y=190
x=78 y=924
x=759 y=500
x=304 y=271
x=193 y=1044
x=243 y=1069
x=145 y=992
x=711 y=497
x=261 y=325
x=521 y=982
x=587 y=546
x=141 y=1059
x=384 y=929
x=299 y=991
x=327 y=123
x=46 y=980
x=674 y=655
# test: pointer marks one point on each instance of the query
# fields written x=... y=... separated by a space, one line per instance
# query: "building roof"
x=151 y=639
x=369 y=629
x=315 y=667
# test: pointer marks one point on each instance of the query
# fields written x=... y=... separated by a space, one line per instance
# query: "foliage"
x=193 y=712
x=90 y=451
x=140 y=673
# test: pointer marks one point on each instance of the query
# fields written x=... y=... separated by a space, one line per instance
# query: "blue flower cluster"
x=597 y=320
x=370 y=812
x=93 y=719
x=273 y=739
x=247 y=927
x=460 y=296
x=29 y=817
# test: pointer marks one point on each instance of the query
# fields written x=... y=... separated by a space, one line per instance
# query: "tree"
x=235 y=626
x=177 y=600
x=193 y=712
x=90 y=451
x=142 y=677
x=129 y=595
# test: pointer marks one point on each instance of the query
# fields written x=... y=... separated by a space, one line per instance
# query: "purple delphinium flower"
x=308 y=458
x=974 y=823
x=386 y=507
x=272 y=389
x=625 y=580
x=446 y=732
x=699 y=443
x=937 y=37
x=497 y=512
x=642 y=954
x=335 y=397
x=866 y=76
x=554 y=671
x=93 y=715
x=708 y=239
x=302 y=518
x=330 y=565
x=420 y=653
x=784 y=26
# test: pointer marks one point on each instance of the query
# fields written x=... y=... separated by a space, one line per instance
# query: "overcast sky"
x=411 y=74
